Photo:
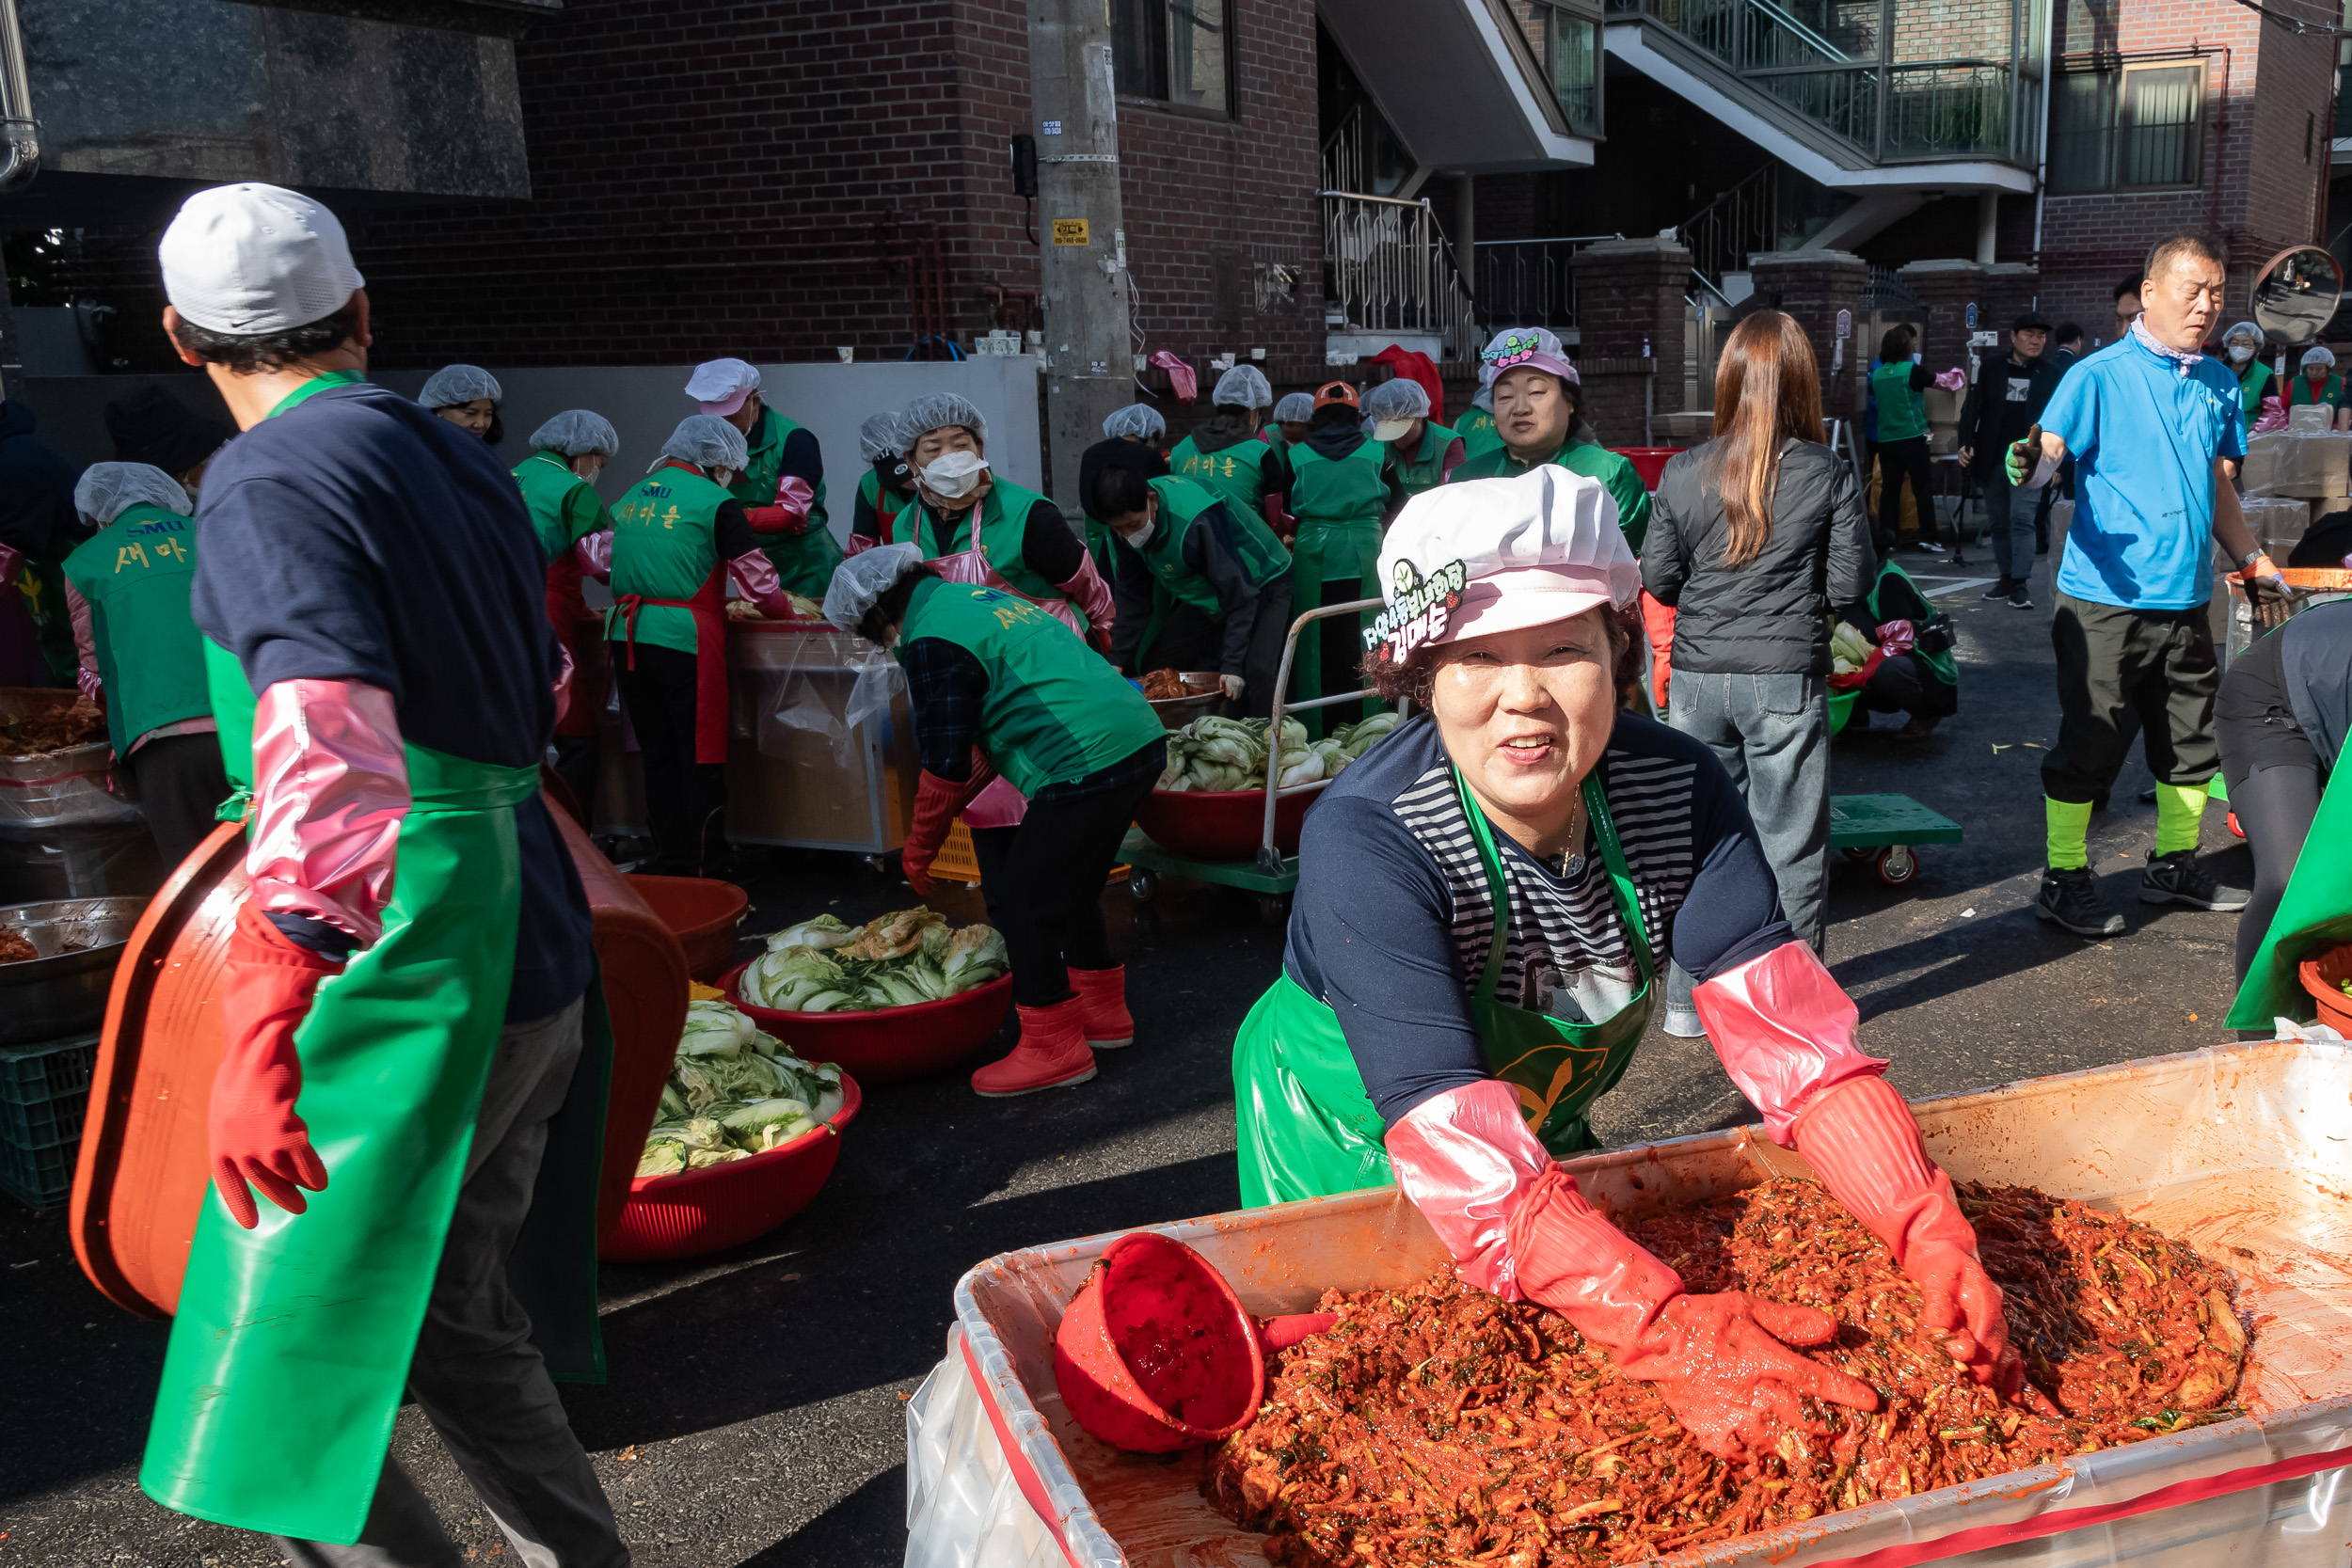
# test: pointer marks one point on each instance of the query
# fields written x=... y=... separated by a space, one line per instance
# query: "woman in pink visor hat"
x=1484 y=903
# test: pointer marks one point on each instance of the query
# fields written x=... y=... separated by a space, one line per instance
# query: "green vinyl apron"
x=2314 y=914
x=1338 y=504
x=291 y=1346
x=1307 y=1129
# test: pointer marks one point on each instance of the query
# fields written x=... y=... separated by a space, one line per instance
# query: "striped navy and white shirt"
x=1394 y=920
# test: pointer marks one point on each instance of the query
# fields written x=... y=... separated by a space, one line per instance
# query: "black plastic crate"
x=44 y=1090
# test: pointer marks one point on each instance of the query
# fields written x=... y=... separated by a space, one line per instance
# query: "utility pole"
x=1082 y=265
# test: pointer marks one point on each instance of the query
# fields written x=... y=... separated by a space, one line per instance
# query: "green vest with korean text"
x=1053 y=712
x=547 y=482
x=1004 y=514
x=1181 y=502
x=665 y=545
x=1231 y=472
x=135 y=575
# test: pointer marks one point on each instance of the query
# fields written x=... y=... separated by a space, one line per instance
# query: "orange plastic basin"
x=887 y=1045
x=2323 y=975
x=140 y=1182
x=702 y=912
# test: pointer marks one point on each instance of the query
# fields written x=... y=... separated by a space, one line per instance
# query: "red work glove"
x=255 y=1135
x=1099 y=638
x=937 y=801
x=1719 y=1360
x=1861 y=1138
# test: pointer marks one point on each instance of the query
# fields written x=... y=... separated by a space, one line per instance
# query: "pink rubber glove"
x=1517 y=1225
x=331 y=790
x=252 y=1129
x=1086 y=589
x=789 y=513
x=756 y=574
x=1896 y=637
x=1861 y=1138
x=1784 y=1032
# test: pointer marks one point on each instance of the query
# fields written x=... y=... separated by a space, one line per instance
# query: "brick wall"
x=1629 y=294
x=776 y=179
x=1812 y=286
x=2257 y=193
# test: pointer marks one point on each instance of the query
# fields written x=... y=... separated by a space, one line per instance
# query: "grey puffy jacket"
x=1771 y=616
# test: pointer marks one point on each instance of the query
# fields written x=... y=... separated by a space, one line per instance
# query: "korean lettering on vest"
x=152 y=544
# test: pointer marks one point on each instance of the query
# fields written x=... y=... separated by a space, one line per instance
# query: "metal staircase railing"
x=1740 y=222
x=1389 y=268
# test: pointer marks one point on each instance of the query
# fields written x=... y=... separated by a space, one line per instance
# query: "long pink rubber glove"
x=756 y=574
x=1517 y=1225
x=330 y=790
x=1785 y=1032
x=1086 y=589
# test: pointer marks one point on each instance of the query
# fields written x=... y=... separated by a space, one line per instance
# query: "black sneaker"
x=2019 y=598
x=2001 y=589
x=2072 y=899
x=2177 y=878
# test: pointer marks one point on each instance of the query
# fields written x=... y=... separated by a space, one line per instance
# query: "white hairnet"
x=879 y=437
x=937 y=411
x=1400 y=399
x=1297 y=408
x=1243 y=386
x=2317 y=355
x=709 y=442
x=2243 y=329
x=454 y=384
x=107 y=490
x=1485 y=398
x=1139 y=419
x=859 y=582
x=576 y=433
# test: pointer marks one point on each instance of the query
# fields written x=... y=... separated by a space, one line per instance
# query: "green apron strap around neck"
x=311 y=388
x=1613 y=855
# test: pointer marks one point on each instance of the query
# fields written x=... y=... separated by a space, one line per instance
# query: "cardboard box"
x=2310 y=417
x=2259 y=469
x=2315 y=466
x=1943 y=408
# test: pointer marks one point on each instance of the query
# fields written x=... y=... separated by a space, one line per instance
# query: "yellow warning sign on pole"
x=1070 y=230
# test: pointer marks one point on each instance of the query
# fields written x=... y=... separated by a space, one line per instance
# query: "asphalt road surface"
x=755 y=1414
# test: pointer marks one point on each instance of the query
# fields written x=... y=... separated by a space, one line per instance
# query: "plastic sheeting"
x=821 y=689
x=2218 y=1147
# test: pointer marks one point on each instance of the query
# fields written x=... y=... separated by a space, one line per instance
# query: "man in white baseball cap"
x=371 y=599
x=783 y=484
x=1485 y=902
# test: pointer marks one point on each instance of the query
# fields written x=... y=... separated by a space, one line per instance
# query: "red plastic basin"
x=1649 y=462
x=1156 y=1353
x=2323 y=974
x=1220 y=824
x=702 y=913
x=722 y=1206
x=887 y=1045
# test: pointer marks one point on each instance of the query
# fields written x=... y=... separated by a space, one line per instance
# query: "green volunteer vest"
x=135 y=574
x=1003 y=532
x=1426 y=468
x=548 y=483
x=1615 y=473
x=1902 y=413
x=1232 y=472
x=2299 y=393
x=1477 y=431
x=1337 y=493
x=2253 y=387
x=1336 y=557
x=1181 y=502
x=1054 y=713
x=804 y=562
x=664 y=547
x=1943 y=664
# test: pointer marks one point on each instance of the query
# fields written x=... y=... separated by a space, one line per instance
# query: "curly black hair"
x=247 y=352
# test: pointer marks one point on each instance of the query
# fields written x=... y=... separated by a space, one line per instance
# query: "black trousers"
x=1187 y=639
x=1043 y=880
x=2274 y=776
x=2123 y=669
x=1904 y=685
x=686 y=801
x=182 y=782
x=1898 y=461
x=577 y=763
x=1262 y=667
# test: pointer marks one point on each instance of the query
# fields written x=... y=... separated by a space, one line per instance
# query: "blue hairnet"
x=454 y=384
x=576 y=433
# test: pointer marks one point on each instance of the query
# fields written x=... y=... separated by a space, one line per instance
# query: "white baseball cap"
x=250 y=259
x=721 y=385
x=1492 y=555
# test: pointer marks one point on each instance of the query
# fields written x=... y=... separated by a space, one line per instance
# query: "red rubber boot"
x=1052 y=1053
x=1102 y=994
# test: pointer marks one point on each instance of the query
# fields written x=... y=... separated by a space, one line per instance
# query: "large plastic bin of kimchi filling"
x=2242 y=1147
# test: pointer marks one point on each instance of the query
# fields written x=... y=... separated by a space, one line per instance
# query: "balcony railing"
x=1842 y=74
x=1389 y=269
x=1530 y=282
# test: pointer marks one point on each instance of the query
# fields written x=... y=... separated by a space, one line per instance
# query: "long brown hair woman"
x=1753 y=538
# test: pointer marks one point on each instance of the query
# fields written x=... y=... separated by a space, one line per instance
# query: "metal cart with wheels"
x=1887 y=828
x=1272 y=875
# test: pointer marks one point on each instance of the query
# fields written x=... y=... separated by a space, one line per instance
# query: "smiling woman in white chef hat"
x=1485 y=900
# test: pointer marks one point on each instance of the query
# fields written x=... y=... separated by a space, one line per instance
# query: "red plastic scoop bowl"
x=1157 y=1352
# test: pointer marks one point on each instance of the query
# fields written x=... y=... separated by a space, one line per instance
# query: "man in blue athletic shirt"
x=2150 y=423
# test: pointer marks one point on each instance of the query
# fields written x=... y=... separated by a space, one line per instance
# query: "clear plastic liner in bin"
x=2259 y=471
x=823 y=690
x=2221 y=1148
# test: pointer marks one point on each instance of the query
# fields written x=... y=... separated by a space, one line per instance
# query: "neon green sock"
x=2070 y=834
x=2180 y=808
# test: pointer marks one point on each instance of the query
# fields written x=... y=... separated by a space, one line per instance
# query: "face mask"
x=955 y=475
x=2240 y=352
x=1141 y=536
